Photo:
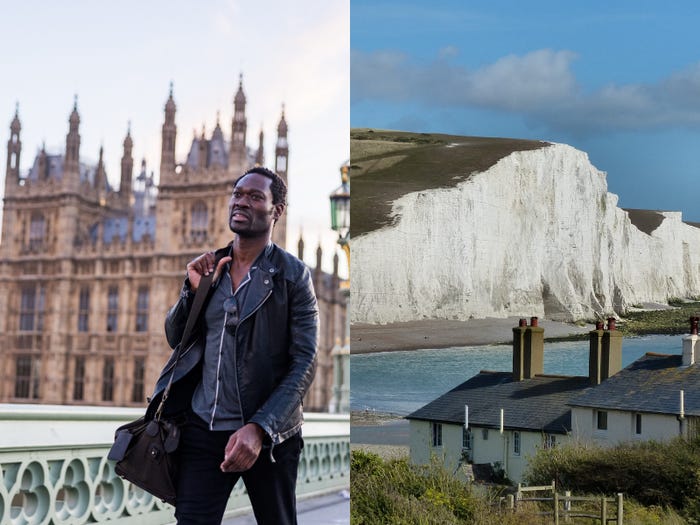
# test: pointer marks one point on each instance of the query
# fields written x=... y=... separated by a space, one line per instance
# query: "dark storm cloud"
x=540 y=86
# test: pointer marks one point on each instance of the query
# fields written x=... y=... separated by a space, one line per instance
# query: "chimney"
x=528 y=350
x=690 y=343
x=605 y=354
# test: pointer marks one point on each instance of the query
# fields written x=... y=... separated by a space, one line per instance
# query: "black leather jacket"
x=275 y=345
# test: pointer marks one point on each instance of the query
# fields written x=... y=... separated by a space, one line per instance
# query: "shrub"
x=397 y=492
x=655 y=474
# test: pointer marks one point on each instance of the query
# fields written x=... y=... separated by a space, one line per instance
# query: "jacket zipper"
x=218 y=371
x=235 y=366
x=235 y=351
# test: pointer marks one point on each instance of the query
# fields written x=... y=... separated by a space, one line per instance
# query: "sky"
x=618 y=80
x=120 y=57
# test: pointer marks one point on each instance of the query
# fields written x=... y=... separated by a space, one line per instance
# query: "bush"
x=655 y=474
x=397 y=492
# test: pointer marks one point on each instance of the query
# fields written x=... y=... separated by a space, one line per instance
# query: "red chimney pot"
x=533 y=321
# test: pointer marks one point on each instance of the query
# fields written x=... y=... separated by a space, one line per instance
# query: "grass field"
x=386 y=165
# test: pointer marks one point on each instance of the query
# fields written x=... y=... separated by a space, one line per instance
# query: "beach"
x=383 y=434
x=439 y=333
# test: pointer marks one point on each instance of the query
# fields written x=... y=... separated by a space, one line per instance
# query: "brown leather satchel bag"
x=143 y=451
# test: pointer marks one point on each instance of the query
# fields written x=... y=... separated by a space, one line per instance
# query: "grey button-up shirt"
x=216 y=399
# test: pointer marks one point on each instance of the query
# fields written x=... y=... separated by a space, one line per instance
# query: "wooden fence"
x=567 y=507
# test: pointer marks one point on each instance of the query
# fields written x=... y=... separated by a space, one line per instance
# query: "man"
x=245 y=373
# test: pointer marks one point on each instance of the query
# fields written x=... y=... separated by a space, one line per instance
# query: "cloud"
x=522 y=83
x=540 y=86
x=448 y=52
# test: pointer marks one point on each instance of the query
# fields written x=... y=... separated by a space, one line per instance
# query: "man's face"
x=250 y=209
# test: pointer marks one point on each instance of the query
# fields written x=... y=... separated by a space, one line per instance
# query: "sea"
x=401 y=382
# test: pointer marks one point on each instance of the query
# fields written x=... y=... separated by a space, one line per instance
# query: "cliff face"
x=536 y=234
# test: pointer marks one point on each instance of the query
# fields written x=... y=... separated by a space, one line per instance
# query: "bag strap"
x=199 y=298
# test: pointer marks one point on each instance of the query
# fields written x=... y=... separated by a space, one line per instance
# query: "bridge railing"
x=54 y=471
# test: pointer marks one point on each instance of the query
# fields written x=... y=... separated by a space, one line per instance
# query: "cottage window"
x=467 y=439
x=437 y=434
x=516 y=443
x=638 y=424
x=485 y=434
x=601 y=420
x=550 y=441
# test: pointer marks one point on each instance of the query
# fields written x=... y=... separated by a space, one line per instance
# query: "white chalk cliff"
x=536 y=234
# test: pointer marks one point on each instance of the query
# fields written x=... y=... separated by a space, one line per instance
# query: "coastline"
x=439 y=333
x=381 y=433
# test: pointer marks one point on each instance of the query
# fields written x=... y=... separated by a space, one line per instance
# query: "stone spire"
x=169 y=134
x=14 y=148
x=239 y=125
x=127 y=168
x=101 y=177
x=300 y=246
x=260 y=155
x=282 y=148
x=279 y=234
x=71 y=164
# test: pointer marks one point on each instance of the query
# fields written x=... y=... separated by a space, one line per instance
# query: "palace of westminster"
x=88 y=272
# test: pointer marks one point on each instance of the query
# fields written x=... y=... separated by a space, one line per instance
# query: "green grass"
x=671 y=322
x=386 y=165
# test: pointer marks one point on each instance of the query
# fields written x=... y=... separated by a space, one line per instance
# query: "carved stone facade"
x=87 y=272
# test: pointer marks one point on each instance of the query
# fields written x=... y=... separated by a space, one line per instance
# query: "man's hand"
x=243 y=448
x=204 y=265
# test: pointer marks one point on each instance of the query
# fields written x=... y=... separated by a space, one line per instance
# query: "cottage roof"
x=651 y=384
x=538 y=404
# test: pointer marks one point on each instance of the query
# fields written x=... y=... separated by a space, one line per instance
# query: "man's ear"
x=278 y=211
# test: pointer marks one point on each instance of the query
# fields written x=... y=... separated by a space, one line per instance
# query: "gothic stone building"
x=87 y=272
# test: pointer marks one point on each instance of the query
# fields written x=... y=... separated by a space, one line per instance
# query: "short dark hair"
x=278 y=188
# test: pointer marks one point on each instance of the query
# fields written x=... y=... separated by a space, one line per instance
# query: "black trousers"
x=203 y=489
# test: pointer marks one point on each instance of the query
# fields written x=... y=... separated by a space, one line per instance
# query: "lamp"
x=340 y=210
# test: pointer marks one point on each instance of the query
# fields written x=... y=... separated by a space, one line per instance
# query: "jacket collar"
x=262 y=280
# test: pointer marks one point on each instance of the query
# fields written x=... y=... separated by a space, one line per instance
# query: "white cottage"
x=509 y=415
x=655 y=398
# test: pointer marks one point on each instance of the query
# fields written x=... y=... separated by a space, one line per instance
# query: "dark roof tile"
x=651 y=384
x=538 y=404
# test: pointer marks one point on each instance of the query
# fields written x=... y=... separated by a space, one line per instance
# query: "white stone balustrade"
x=54 y=469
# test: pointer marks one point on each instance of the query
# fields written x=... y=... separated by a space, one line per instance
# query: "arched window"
x=84 y=309
x=142 y=309
x=37 y=231
x=199 y=221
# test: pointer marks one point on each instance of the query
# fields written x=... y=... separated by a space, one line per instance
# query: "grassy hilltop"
x=386 y=165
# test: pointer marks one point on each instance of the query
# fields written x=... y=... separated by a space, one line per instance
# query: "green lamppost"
x=340 y=222
x=340 y=212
